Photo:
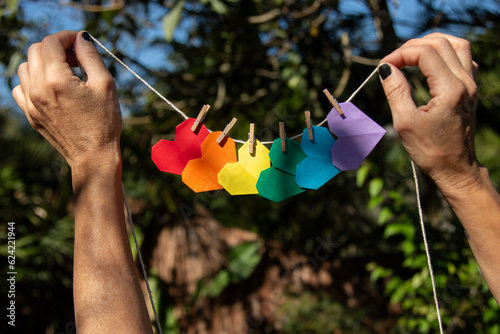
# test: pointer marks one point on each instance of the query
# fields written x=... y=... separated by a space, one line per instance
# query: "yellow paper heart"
x=240 y=178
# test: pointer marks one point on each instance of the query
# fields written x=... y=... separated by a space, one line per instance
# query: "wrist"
x=462 y=186
x=103 y=166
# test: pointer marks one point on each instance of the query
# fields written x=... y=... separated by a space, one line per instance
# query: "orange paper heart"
x=202 y=174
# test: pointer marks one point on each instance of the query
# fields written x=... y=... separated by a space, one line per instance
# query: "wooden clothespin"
x=283 y=136
x=251 y=139
x=200 y=118
x=334 y=102
x=226 y=130
x=309 y=125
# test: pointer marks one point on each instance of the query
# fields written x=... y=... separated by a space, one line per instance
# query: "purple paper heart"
x=357 y=136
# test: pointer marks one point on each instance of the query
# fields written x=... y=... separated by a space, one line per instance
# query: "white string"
x=375 y=71
x=431 y=273
x=186 y=117
x=140 y=79
x=143 y=268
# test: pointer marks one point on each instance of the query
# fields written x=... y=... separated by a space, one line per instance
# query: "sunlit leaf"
x=170 y=21
x=243 y=259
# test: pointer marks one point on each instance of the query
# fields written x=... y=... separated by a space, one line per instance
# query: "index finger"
x=54 y=47
x=450 y=56
x=462 y=49
x=439 y=76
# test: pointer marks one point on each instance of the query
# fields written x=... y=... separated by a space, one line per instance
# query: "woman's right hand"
x=439 y=136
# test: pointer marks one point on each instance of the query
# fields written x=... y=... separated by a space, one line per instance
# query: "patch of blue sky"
x=458 y=5
x=52 y=17
x=353 y=7
x=405 y=15
x=407 y=23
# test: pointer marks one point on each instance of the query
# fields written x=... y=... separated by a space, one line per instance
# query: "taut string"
x=180 y=112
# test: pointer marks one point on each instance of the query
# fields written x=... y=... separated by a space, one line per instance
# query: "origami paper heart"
x=201 y=174
x=357 y=135
x=278 y=182
x=286 y=161
x=317 y=168
x=241 y=178
x=277 y=185
x=173 y=156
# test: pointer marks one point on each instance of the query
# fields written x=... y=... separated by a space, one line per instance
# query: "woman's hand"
x=439 y=136
x=81 y=120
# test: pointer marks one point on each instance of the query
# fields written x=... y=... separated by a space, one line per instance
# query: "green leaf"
x=10 y=9
x=12 y=4
x=385 y=215
x=361 y=175
x=380 y=272
x=139 y=236
x=375 y=187
x=171 y=20
x=243 y=259
x=14 y=62
x=215 y=287
x=374 y=202
x=405 y=229
x=171 y=325
x=408 y=247
x=219 y=7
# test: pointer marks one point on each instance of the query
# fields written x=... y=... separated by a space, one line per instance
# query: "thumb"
x=89 y=58
x=398 y=93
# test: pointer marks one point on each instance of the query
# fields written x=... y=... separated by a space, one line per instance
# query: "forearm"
x=477 y=205
x=107 y=294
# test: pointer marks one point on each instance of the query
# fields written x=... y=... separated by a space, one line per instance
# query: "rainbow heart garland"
x=275 y=174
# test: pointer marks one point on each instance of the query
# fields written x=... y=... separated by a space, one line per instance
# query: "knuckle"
x=462 y=45
x=36 y=95
x=435 y=35
x=54 y=84
x=471 y=87
x=23 y=67
x=33 y=48
x=429 y=49
x=441 y=42
x=108 y=83
x=47 y=40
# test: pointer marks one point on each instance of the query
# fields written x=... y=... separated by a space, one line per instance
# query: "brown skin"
x=439 y=137
x=82 y=121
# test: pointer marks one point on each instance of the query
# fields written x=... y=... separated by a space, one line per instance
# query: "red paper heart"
x=173 y=156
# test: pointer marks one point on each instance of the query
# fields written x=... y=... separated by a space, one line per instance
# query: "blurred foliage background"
x=347 y=258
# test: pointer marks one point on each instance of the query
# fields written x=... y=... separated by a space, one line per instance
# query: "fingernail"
x=384 y=71
x=86 y=36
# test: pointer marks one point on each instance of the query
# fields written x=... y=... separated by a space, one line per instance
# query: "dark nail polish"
x=384 y=71
x=86 y=36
